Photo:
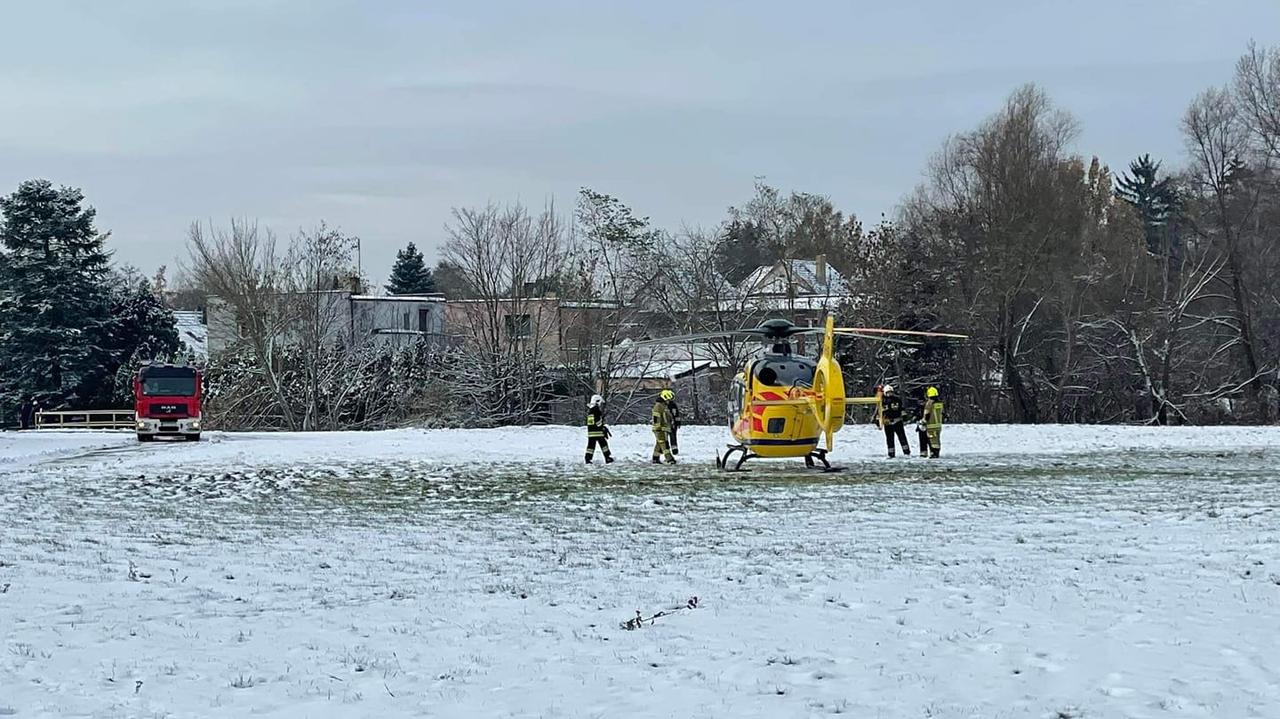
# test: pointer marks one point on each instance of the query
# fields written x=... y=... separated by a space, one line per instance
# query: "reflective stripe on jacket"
x=595 y=423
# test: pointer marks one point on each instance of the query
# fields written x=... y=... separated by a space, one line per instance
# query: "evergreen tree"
x=1155 y=200
x=410 y=274
x=141 y=328
x=54 y=304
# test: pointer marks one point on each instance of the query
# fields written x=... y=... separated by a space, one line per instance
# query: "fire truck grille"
x=172 y=409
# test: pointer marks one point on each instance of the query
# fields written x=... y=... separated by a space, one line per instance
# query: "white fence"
x=91 y=419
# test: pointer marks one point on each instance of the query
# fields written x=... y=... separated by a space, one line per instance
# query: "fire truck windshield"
x=169 y=386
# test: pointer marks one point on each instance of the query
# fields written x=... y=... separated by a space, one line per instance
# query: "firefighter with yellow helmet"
x=663 y=422
x=929 y=428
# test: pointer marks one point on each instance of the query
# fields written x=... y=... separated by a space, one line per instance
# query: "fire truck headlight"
x=142 y=424
x=195 y=425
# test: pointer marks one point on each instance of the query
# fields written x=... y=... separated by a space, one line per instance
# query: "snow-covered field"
x=1031 y=572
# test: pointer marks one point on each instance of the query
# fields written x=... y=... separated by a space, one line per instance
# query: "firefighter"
x=675 y=425
x=597 y=433
x=891 y=419
x=662 y=423
x=929 y=428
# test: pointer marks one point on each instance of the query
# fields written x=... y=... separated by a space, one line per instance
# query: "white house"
x=398 y=319
x=804 y=284
x=193 y=333
x=385 y=320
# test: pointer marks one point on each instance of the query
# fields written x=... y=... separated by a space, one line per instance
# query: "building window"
x=519 y=326
x=405 y=322
x=424 y=319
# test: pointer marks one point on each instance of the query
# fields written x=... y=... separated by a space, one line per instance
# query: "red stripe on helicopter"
x=757 y=411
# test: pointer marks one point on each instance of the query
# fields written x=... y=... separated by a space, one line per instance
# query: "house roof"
x=193 y=332
x=663 y=361
x=398 y=298
x=801 y=274
x=660 y=369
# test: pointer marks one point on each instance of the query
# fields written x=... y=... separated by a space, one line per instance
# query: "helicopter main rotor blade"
x=695 y=337
x=884 y=331
x=881 y=338
x=849 y=332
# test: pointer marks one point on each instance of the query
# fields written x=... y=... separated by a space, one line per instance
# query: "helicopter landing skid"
x=819 y=455
x=811 y=460
x=742 y=450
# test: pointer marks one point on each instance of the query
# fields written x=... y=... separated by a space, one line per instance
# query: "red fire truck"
x=167 y=402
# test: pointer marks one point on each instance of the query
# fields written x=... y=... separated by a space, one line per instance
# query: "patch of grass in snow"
x=631 y=494
x=245 y=682
x=22 y=649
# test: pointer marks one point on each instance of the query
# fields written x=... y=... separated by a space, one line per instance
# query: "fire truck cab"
x=167 y=402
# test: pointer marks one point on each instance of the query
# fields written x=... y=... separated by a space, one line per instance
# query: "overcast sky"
x=378 y=117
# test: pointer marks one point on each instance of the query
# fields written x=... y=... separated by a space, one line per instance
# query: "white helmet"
x=888 y=389
x=596 y=401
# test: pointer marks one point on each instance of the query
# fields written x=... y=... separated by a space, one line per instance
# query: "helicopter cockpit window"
x=792 y=373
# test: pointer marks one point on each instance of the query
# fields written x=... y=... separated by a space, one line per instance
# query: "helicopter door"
x=737 y=394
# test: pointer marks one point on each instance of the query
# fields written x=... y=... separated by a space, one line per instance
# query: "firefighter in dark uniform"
x=662 y=424
x=27 y=414
x=891 y=419
x=929 y=428
x=597 y=433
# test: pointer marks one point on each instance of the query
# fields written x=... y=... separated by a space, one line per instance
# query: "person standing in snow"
x=675 y=425
x=662 y=424
x=891 y=419
x=27 y=414
x=929 y=428
x=597 y=433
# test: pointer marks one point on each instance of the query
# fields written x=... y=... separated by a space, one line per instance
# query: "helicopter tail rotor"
x=828 y=402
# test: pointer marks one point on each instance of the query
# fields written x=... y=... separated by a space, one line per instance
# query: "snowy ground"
x=1032 y=572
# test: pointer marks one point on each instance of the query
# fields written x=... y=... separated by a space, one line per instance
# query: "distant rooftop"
x=400 y=298
x=193 y=332
x=799 y=277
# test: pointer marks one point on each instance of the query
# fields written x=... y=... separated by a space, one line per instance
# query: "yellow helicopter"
x=782 y=405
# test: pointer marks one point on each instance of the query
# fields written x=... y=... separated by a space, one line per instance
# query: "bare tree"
x=618 y=257
x=241 y=269
x=993 y=199
x=318 y=280
x=514 y=262
x=694 y=296
x=287 y=312
x=1257 y=89
x=1228 y=178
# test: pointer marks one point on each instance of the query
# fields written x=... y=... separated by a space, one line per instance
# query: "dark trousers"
x=593 y=442
x=671 y=440
x=892 y=429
